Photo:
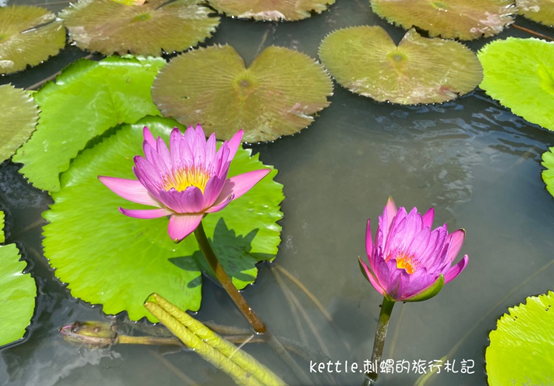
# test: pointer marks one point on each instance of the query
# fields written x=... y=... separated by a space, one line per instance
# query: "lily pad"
x=271 y=9
x=275 y=96
x=85 y=100
x=541 y=11
x=28 y=36
x=17 y=292
x=18 y=118
x=521 y=351
x=148 y=29
x=461 y=19
x=419 y=70
x=548 y=174
x=520 y=74
x=117 y=261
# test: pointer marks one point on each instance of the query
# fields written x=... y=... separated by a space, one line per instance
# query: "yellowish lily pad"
x=419 y=70
x=541 y=11
x=148 y=29
x=277 y=95
x=271 y=9
x=461 y=19
x=28 y=36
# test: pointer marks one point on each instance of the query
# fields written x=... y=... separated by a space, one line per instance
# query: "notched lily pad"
x=419 y=70
x=17 y=292
x=521 y=350
x=548 y=174
x=520 y=74
x=85 y=100
x=275 y=96
x=18 y=118
x=461 y=19
x=541 y=11
x=110 y=259
x=271 y=9
x=28 y=36
x=148 y=29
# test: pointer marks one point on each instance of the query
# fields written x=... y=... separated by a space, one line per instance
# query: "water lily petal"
x=213 y=189
x=146 y=213
x=428 y=218
x=148 y=137
x=131 y=190
x=385 y=222
x=210 y=154
x=234 y=144
x=217 y=208
x=372 y=278
x=369 y=241
x=180 y=226
x=456 y=269
x=188 y=201
x=238 y=185
x=455 y=242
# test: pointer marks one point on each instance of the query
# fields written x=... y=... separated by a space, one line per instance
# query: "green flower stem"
x=226 y=282
x=241 y=303
x=379 y=342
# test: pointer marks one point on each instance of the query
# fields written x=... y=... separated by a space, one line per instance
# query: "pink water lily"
x=185 y=181
x=409 y=261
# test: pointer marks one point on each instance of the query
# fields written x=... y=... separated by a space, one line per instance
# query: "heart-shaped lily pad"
x=18 y=118
x=28 y=36
x=521 y=350
x=462 y=19
x=148 y=29
x=271 y=9
x=108 y=258
x=520 y=74
x=17 y=292
x=541 y=11
x=275 y=96
x=419 y=70
x=85 y=100
x=548 y=174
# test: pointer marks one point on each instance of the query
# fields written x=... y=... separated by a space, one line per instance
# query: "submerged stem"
x=379 y=342
x=226 y=282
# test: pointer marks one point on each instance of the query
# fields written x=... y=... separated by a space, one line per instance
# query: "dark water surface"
x=471 y=159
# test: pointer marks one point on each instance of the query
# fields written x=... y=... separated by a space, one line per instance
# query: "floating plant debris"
x=85 y=100
x=28 y=36
x=541 y=11
x=419 y=70
x=521 y=350
x=18 y=118
x=275 y=96
x=548 y=174
x=148 y=29
x=118 y=261
x=520 y=74
x=17 y=292
x=461 y=19
x=271 y=9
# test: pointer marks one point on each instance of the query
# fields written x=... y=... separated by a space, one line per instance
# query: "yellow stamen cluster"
x=183 y=178
x=405 y=261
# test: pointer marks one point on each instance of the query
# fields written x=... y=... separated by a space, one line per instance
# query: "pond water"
x=474 y=161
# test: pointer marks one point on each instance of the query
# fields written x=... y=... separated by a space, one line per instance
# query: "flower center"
x=181 y=179
x=404 y=261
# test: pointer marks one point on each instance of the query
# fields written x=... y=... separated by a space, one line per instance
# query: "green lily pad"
x=18 y=118
x=17 y=292
x=114 y=260
x=275 y=96
x=28 y=36
x=148 y=29
x=271 y=9
x=548 y=174
x=85 y=100
x=520 y=74
x=521 y=351
x=461 y=19
x=419 y=70
x=541 y=11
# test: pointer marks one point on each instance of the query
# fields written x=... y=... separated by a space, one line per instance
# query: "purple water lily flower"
x=409 y=261
x=185 y=181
